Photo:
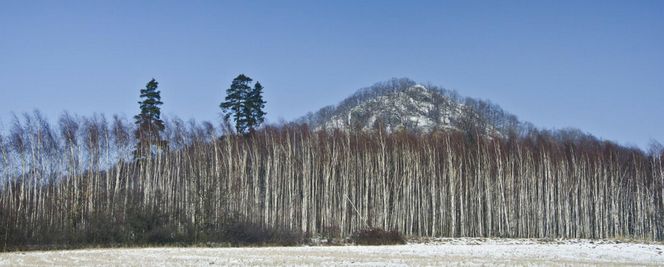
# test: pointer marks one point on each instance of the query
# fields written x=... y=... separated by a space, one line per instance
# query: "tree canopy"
x=244 y=104
x=148 y=121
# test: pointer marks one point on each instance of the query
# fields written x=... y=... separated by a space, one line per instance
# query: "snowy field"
x=440 y=252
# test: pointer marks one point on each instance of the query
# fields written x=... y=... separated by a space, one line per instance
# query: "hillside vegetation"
x=402 y=104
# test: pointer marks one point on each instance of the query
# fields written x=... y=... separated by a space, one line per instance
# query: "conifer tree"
x=235 y=101
x=254 y=107
x=148 y=121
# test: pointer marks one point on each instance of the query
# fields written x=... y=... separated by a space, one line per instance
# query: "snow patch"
x=432 y=252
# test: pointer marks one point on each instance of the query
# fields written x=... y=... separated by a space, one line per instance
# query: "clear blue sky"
x=593 y=65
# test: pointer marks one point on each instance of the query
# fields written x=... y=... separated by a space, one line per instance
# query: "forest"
x=88 y=181
x=77 y=183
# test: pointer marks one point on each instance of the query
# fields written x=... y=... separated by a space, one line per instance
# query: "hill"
x=402 y=104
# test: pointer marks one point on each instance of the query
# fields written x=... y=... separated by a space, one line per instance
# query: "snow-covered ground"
x=458 y=251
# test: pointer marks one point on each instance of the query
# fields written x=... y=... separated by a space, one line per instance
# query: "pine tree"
x=148 y=122
x=254 y=107
x=235 y=101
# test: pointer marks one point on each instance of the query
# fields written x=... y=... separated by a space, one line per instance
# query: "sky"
x=593 y=65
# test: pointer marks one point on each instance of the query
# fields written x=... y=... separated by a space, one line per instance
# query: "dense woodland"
x=77 y=183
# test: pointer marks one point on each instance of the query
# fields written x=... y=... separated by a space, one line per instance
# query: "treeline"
x=78 y=183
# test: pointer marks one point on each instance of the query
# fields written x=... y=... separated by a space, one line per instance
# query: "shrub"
x=332 y=234
x=377 y=236
x=149 y=226
x=244 y=232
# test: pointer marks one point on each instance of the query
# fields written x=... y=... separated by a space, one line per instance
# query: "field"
x=458 y=251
